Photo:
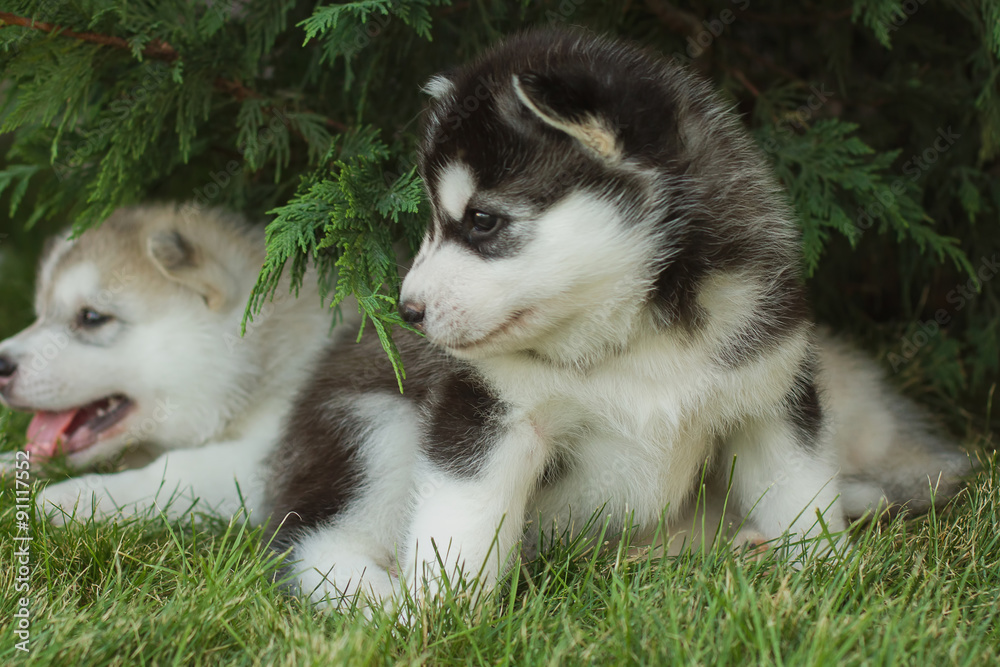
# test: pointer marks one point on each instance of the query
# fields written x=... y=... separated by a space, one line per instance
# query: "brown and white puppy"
x=137 y=341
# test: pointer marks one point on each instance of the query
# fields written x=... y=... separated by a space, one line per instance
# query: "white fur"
x=455 y=187
x=356 y=551
x=592 y=133
x=439 y=86
x=470 y=526
x=887 y=447
x=577 y=243
x=60 y=246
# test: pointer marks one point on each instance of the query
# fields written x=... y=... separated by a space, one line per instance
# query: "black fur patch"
x=781 y=311
x=556 y=469
x=507 y=242
x=680 y=277
x=315 y=471
x=568 y=94
x=462 y=422
x=803 y=405
x=319 y=470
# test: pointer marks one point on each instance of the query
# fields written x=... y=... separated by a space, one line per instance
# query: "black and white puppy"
x=611 y=297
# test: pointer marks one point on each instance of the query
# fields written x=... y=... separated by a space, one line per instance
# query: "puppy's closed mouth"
x=515 y=319
x=75 y=429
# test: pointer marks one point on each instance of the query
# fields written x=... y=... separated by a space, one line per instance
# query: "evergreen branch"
x=831 y=174
x=155 y=49
x=344 y=221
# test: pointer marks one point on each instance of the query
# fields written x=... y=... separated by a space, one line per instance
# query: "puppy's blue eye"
x=482 y=225
x=88 y=318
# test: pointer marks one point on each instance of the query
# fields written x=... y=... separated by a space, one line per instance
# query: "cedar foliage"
x=881 y=117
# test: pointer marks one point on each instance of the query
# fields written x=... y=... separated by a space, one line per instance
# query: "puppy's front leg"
x=468 y=520
x=216 y=477
x=783 y=476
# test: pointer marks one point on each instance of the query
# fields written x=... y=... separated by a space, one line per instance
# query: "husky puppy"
x=138 y=341
x=611 y=297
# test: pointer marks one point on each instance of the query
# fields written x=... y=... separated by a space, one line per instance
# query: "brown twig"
x=746 y=82
x=336 y=124
x=235 y=88
x=155 y=49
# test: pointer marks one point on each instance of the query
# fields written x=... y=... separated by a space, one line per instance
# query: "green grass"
x=923 y=591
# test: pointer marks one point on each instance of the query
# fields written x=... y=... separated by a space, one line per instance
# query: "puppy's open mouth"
x=75 y=429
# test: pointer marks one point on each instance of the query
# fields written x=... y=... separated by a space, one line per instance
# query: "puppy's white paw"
x=78 y=498
x=364 y=590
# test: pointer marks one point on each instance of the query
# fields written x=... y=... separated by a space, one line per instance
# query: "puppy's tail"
x=890 y=452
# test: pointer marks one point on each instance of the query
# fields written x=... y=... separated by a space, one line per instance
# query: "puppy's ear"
x=439 y=86
x=183 y=262
x=570 y=102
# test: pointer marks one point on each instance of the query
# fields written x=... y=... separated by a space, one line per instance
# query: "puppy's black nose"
x=7 y=367
x=412 y=313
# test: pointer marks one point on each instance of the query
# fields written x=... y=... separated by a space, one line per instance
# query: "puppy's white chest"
x=658 y=384
x=628 y=452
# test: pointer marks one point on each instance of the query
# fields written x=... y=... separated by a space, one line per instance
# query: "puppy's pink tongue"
x=46 y=431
